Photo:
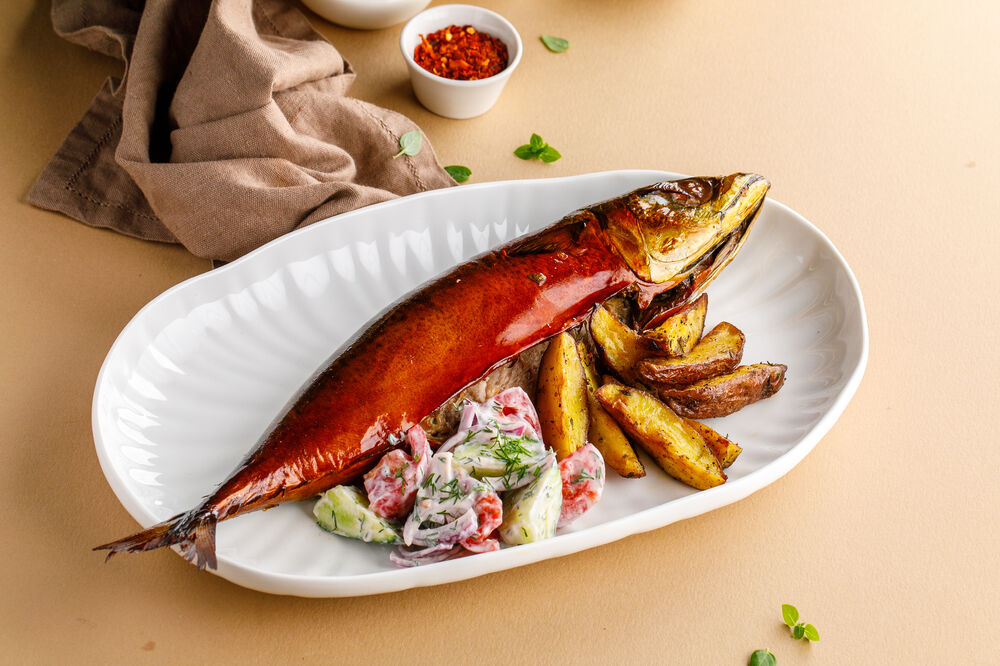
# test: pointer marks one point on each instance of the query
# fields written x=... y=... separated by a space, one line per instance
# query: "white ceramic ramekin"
x=448 y=97
x=366 y=14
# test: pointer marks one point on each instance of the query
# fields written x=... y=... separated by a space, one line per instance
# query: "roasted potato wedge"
x=717 y=353
x=726 y=450
x=679 y=334
x=676 y=446
x=561 y=398
x=604 y=432
x=725 y=394
x=620 y=346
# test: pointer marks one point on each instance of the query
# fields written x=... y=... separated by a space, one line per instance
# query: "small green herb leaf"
x=555 y=44
x=409 y=143
x=800 y=630
x=790 y=614
x=524 y=152
x=458 y=172
x=762 y=658
x=549 y=154
x=536 y=148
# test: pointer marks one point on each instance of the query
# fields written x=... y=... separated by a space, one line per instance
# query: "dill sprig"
x=451 y=492
x=515 y=456
x=430 y=482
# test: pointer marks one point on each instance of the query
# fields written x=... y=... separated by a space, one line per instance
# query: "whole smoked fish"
x=660 y=244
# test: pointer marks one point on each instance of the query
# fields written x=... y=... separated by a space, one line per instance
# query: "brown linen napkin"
x=230 y=128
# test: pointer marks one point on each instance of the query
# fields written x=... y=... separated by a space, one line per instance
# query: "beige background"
x=878 y=121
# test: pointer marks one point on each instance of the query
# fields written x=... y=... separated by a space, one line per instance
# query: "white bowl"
x=366 y=14
x=448 y=97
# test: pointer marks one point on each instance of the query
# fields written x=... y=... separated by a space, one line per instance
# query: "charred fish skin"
x=450 y=332
x=431 y=344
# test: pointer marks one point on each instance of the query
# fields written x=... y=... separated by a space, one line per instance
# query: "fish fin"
x=562 y=237
x=193 y=534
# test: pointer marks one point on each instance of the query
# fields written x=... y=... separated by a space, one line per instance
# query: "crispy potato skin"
x=679 y=334
x=725 y=394
x=726 y=450
x=676 y=446
x=604 y=432
x=621 y=309
x=561 y=398
x=620 y=346
x=717 y=353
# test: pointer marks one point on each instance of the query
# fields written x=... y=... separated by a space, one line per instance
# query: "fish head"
x=676 y=236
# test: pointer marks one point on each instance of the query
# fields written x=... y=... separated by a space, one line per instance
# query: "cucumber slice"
x=508 y=460
x=344 y=510
x=532 y=512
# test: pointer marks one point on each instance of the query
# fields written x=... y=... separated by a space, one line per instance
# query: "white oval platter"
x=199 y=373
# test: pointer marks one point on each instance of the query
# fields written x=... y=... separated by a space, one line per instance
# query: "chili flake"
x=462 y=53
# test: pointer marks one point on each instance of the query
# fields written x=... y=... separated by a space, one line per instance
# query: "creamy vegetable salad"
x=492 y=481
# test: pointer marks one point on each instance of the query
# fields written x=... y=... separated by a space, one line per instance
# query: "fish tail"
x=193 y=533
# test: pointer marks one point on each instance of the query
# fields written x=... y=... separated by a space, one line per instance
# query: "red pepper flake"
x=462 y=53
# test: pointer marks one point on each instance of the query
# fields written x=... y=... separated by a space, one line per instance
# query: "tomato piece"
x=420 y=450
x=516 y=401
x=392 y=484
x=489 y=511
x=582 y=474
x=487 y=546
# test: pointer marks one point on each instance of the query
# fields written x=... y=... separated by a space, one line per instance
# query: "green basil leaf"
x=790 y=614
x=524 y=152
x=762 y=658
x=549 y=154
x=409 y=143
x=811 y=632
x=798 y=631
x=537 y=143
x=555 y=44
x=458 y=172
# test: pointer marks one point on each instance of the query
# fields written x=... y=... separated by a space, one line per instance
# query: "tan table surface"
x=880 y=122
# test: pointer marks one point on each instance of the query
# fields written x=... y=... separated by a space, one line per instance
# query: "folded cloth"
x=230 y=127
